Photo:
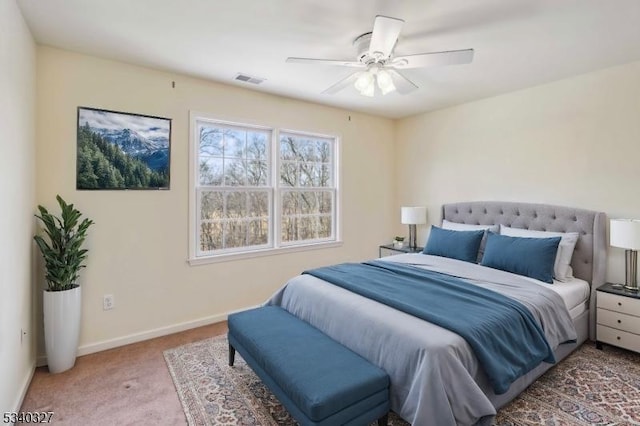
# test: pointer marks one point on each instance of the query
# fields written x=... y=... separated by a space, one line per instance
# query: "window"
x=307 y=193
x=257 y=189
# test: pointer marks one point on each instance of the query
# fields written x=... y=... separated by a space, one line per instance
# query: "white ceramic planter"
x=62 y=313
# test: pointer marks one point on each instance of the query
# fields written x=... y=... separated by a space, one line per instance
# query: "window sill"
x=260 y=253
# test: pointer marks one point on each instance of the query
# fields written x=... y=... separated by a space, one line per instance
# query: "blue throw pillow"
x=531 y=257
x=461 y=245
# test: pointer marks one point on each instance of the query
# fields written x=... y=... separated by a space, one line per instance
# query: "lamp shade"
x=625 y=233
x=413 y=215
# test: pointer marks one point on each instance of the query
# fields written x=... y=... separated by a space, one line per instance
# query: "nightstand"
x=618 y=317
x=389 y=249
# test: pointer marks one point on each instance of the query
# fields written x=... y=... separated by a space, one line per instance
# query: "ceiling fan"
x=375 y=57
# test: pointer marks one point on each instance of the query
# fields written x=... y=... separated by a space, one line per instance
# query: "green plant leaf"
x=61 y=249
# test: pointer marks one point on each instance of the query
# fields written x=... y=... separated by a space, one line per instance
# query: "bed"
x=435 y=376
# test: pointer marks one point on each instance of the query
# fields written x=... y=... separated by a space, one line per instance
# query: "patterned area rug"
x=589 y=387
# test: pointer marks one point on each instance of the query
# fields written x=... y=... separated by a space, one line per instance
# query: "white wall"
x=139 y=243
x=17 y=192
x=574 y=142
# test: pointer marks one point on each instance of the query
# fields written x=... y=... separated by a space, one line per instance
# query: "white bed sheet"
x=574 y=292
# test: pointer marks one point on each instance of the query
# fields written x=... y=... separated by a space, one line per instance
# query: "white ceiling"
x=518 y=43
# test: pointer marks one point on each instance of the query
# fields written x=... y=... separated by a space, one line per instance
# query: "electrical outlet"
x=108 y=302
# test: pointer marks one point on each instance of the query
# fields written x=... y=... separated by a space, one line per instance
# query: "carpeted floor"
x=590 y=387
x=129 y=385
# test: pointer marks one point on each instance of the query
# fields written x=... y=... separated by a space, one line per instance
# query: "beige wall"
x=139 y=244
x=17 y=192
x=574 y=142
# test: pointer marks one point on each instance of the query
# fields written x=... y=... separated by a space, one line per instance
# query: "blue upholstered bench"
x=319 y=381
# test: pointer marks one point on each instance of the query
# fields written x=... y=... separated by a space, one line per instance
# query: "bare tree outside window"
x=308 y=195
x=235 y=192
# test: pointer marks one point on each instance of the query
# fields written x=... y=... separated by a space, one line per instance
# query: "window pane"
x=258 y=232
x=308 y=150
x=236 y=206
x=235 y=234
x=324 y=175
x=307 y=227
x=210 y=141
x=258 y=204
x=324 y=151
x=234 y=143
x=306 y=215
x=289 y=229
x=325 y=202
x=210 y=236
x=305 y=161
x=257 y=173
x=306 y=202
x=324 y=230
x=299 y=148
x=257 y=145
x=308 y=175
x=234 y=228
x=291 y=148
x=235 y=172
x=287 y=148
x=289 y=173
x=289 y=203
x=210 y=171
x=211 y=205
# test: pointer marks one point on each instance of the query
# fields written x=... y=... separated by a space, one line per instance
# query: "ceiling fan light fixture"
x=369 y=90
x=364 y=81
x=385 y=82
x=375 y=53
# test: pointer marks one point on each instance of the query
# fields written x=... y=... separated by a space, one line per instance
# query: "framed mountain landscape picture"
x=118 y=150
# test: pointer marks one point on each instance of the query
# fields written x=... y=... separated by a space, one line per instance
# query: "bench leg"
x=382 y=421
x=232 y=355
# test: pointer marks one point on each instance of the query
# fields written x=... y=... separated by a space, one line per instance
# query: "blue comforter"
x=505 y=337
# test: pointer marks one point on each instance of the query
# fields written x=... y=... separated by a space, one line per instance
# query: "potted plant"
x=398 y=242
x=61 y=248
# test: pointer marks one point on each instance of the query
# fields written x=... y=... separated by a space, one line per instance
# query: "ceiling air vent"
x=248 y=79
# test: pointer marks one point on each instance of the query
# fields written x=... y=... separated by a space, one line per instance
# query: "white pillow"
x=454 y=226
x=562 y=270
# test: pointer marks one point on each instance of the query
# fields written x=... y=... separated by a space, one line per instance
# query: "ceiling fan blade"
x=435 y=59
x=345 y=82
x=385 y=35
x=335 y=62
x=402 y=83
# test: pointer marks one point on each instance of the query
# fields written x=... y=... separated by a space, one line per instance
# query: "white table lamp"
x=625 y=233
x=413 y=216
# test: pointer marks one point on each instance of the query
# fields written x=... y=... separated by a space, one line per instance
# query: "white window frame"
x=275 y=245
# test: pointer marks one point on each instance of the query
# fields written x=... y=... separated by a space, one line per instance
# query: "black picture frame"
x=122 y=151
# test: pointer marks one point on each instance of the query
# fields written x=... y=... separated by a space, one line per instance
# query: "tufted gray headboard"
x=589 y=257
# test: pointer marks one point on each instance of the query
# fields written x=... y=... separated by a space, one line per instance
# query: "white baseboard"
x=23 y=389
x=146 y=335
